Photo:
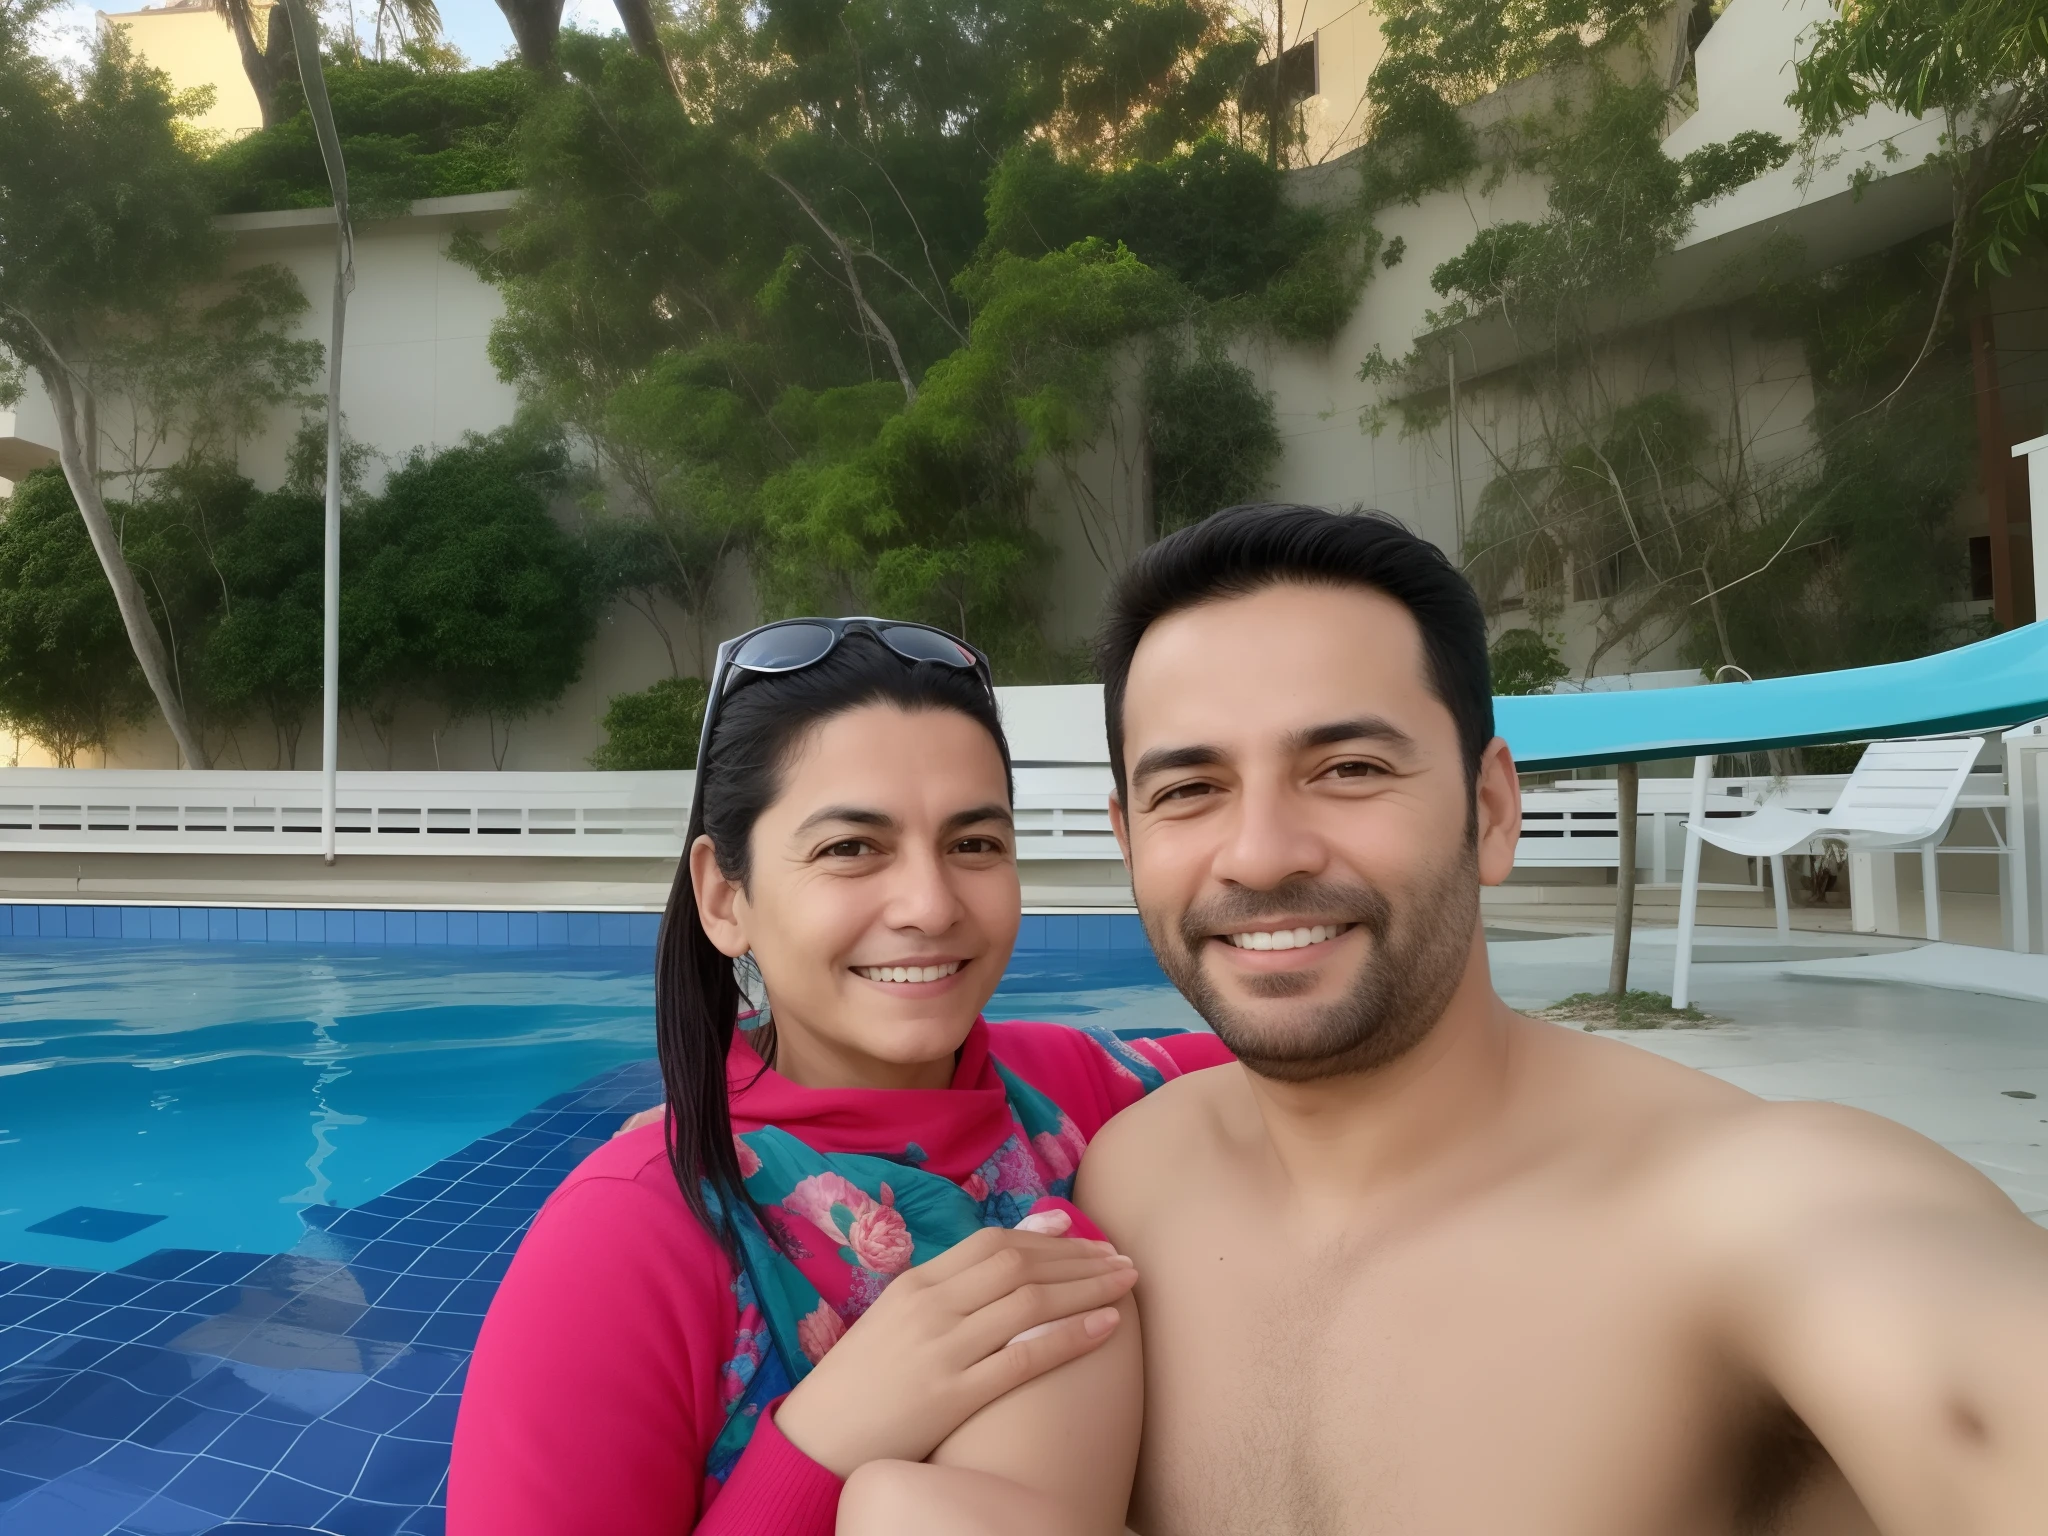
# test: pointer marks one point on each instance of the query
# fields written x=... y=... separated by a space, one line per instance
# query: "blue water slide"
x=1998 y=682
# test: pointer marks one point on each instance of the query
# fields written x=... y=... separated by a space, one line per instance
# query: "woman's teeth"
x=907 y=972
x=1287 y=938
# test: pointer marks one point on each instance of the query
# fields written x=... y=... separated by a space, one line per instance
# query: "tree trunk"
x=85 y=490
x=536 y=24
x=265 y=62
x=637 y=16
x=1626 y=779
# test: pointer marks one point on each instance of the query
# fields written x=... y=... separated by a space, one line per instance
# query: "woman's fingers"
x=1002 y=1320
x=990 y=1242
x=1010 y=1269
x=1046 y=1348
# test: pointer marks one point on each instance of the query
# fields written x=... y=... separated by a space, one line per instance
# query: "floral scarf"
x=911 y=1173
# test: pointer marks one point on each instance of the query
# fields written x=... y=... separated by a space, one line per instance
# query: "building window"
x=1980 y=569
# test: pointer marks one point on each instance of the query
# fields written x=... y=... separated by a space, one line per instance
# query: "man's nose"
x=1270 y=840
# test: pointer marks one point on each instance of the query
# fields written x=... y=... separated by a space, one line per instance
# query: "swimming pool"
x=278 y=1187
x=202 y=1097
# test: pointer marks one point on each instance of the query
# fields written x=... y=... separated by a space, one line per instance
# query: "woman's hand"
x=942 y=1342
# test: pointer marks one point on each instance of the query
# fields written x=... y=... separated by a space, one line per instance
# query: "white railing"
x=1061 y=813
x=582 y=815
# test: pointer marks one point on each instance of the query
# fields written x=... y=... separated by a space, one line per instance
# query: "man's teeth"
x=1287 y=938
x=907 y=972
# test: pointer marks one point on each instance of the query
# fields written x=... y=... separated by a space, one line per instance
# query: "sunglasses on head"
x=790 y=645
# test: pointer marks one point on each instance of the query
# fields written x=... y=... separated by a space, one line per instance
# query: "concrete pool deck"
x=1921 y=1035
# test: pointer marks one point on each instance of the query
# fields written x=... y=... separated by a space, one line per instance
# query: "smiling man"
x=1423 y=1265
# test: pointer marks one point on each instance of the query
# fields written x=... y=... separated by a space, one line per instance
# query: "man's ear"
x=721 y=903
x=1497 y=806
x=1120 y=827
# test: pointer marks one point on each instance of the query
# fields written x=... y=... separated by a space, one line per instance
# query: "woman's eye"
x=851 y=848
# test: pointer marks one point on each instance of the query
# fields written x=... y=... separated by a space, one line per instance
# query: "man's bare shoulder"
x=1184 y=1122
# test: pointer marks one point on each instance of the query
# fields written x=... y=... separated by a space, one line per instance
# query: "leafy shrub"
x=1524 y=661
x=654 y=728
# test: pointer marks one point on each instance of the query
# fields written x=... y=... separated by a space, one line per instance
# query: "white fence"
x=1061 y=813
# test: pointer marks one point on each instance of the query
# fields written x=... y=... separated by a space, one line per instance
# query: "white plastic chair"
x=1902 y=795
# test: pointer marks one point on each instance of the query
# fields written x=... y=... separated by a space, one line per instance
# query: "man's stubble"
x=1419 y=950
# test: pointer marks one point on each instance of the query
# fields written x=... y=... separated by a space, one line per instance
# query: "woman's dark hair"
x=1242 y=550
x=697 y=998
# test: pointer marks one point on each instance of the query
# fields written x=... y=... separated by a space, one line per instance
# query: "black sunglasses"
x=790 y=645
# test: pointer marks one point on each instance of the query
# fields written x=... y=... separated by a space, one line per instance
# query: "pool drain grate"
x=94 y=1224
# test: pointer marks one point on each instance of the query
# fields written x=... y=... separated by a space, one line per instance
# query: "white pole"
x=306 y=38
x=2035 y=452
x=1689 y=882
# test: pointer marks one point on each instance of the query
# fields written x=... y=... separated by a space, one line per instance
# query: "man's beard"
x=1417 y=960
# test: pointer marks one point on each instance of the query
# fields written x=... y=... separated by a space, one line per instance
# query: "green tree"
x=1981 y=68
x=104 y=218
x=464 y=589
x=67 y=677
x=1525 y=661
x=655 y=728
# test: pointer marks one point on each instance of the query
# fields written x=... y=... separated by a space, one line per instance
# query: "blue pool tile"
x=642 y=929
x=120 y=1325
x=1092 y=929
x=165 y=1263
x=78 y=922
x=613 y=931
x=252 y=925
x=286 y=1501
x=217 y=924
x=182 y=1425
x=356 y=1517
x=42 y=1452
x=419 y=1293
x=493 y=929
x=394 y=1258
x=451 y=1331
x=215 y=1485
x=522 y=930
x=462 y=930
x=435 y=1419
x=92 y=1404
x=16 y=1308
x=167 y=1517
x=224 y=1392
x=446 y=1265
x=554 y=928
x=1062 y=931
x=163 y=922
x=134 y=923
x=584 y=931
x=402 y=1471
x=422 y=1370
x=95 y=1225
x=1127 y=933
x=106 y=922
x=82 y=1504
x=7 y=919
x=338 y=927
x=388 y=1325
x=175 y=1295
x=370 y=927
x=401 y=928
x=280 y=925
x=254 y=1442
x=223 y=1268
x=138 y=1466
x=1031 y=931
x=54 y=922
x=55 y=1282
x=430 y=928
x=328 y=1455
x=309 y=927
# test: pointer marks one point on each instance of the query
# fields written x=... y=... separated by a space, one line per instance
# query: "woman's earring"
x=747 y=971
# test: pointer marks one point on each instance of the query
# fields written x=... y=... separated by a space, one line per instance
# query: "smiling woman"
x=846 y=1262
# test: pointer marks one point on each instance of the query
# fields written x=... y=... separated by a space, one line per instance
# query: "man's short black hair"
x=1241 y=550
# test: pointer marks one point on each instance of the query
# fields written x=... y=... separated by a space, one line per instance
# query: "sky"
x=477 y=27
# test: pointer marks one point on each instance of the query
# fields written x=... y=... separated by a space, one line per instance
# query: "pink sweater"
x=594 y=1394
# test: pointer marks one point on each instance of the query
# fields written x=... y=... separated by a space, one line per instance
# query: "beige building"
x=192 y=43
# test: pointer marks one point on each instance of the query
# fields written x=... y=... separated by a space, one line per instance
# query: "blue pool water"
x=223 y=1090
x=278 y=1187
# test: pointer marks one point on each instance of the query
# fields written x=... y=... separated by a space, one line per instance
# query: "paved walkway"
x=1868 y=1031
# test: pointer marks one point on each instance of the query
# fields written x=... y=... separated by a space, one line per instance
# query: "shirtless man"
x=1425 y=1267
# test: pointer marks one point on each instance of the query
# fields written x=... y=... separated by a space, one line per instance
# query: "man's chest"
x=1510 y=1374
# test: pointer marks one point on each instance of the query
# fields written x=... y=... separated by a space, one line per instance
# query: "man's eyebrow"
x=860 y=816
x=980 y=814
x=1364 y=728
x=1167 y=759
